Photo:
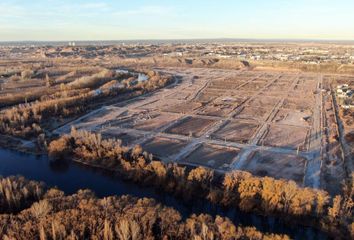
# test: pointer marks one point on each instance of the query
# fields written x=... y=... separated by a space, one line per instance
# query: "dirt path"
x=313 y=169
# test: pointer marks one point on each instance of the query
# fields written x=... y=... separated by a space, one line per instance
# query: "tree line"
x=263 y=195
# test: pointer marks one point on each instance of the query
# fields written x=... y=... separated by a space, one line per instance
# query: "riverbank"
x=71 y=177
x=259 y=195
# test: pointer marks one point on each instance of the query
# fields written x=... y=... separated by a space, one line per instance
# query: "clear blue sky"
x=175 y=19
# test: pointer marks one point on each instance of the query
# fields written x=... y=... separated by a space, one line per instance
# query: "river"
x=71 y=177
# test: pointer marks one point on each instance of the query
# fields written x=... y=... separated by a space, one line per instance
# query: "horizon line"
x=186 y=39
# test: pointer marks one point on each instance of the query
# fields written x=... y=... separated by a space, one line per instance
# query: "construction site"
x=277 y=124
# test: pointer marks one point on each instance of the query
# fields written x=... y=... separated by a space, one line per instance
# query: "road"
x=313 y=168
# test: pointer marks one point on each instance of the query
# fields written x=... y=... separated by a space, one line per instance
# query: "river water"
x=71 y=177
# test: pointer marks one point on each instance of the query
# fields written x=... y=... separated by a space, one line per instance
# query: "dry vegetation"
x=63 y=102
x=83 y=216
x=17 y=193
x=234 y=189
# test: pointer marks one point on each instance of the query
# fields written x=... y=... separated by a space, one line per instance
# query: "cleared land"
x=293 y=117
x=212 y=156
x=236 y=131
x=153 y=121
x=191 y=126
x=268 y=123
x=262 y=163
x=286 y=136
x=257 y=113
x=165 y=148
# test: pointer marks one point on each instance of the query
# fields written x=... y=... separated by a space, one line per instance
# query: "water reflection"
x=71 y=177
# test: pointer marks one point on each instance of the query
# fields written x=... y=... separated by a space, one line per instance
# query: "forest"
x=31 y=210
x=261 y=195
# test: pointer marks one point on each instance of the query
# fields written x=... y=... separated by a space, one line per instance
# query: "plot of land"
x=191 y=126
x=263 y=163
x=219 y=110
x=294 y=117
x=236 y=131
x=164 y=148
x=264 y=102
x=286 y=136
x=254 y=86
x=257 y=113
x=298 y=104
x=127 y=138
x=181 y=95
x=185 y=107
x=278 y=86
x=153 y=122
x=212 y=156
x=206 y=97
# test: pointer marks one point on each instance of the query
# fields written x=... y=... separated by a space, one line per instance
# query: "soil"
x=277 y=165
x=237 y=131
x=212 y=156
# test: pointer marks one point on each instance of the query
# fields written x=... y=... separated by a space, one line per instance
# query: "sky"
x=65 y=20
